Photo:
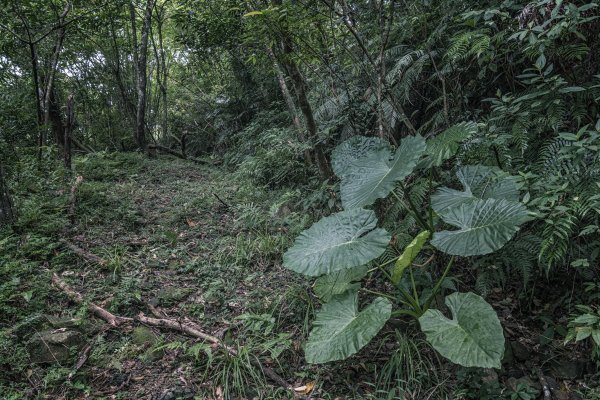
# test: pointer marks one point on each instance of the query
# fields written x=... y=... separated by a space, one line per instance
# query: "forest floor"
x=187 y=243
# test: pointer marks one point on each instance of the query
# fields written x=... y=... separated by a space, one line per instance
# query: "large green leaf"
x=410 y=253
x=343 y=240
x=446 y=144
x=485 y=226
x=339 y=282
x=340 y=330
x=375 y=175
x=479 y=183
x=353 y=149
x=472 y=338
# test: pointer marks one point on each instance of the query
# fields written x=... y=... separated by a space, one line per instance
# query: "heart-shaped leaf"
x=339 y=282
x=472 y=338
x=375 y=175
x=340 y=330
x=485 y=226
x=353 y=149
x=480 y=183
x=343 y=240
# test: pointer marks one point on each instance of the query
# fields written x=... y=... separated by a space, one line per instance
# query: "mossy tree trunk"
x=7 y=216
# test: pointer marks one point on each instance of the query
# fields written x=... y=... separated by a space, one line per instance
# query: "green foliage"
x=447 y=143
x=473 y=337
x=485 y=226
x=344 y=240
x=373 y=174
x=408 y=256
x=340 y=330
x=585 y=325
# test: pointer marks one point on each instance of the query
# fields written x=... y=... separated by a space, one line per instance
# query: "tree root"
x=189 y=328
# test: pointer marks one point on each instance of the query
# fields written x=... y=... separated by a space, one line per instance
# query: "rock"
x=54 y=345
x=143 y=336
x=568 y=369
x=147 y=339
x=152 y=354
x=514 y=384
x=177 y=394
x=172 y=295
x=63 y=322
x=520 y=351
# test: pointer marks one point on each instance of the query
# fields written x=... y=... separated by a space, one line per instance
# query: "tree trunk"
x=306 y=109
x=69 y=130
x=289 y=101
x=7 y=216
x=54 y=119
x=142 y=77
x=54 y=63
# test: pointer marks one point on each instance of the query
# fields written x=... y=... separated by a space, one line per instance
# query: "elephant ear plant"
x=342 y=249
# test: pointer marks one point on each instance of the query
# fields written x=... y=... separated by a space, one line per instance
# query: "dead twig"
x=100 y=312
x=188 y=327
x=220 y=200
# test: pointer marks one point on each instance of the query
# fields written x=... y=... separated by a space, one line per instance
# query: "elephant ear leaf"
x=409 y=255
x=353 y=149
x=472 y=338
x=340 y=330
x=339 y=282
x=485 y=226
x=446 y=144
x=375 y=175
x=479 y=183
x=343 y=240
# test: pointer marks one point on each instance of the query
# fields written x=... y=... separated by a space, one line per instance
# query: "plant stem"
x=379 y=293
x=436 y=288
x=412 y=281
x=430 y=208
x=412 y=206
x=405 y=312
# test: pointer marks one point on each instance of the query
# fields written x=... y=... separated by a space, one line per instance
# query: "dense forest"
x=311 y=199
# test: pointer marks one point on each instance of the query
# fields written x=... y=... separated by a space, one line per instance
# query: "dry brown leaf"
x=191 y=223
x=305 y=389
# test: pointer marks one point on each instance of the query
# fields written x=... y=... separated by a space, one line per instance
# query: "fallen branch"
x=100 y=312
x=189 y=328
x=175 y=153
x=86 y=255
x=221 y=201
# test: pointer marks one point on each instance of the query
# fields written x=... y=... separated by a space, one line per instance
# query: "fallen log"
x=188 y=328
x=164 y=149
x=100 y=312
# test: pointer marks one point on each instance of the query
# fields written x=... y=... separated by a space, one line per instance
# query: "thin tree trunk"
x=7 y=216
x=117 y=70
x=54 y=62
x=165 y=73
x=306 y=109
x=54 y=119
x=289 y=101
x=69 y=130
x=142 y=77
